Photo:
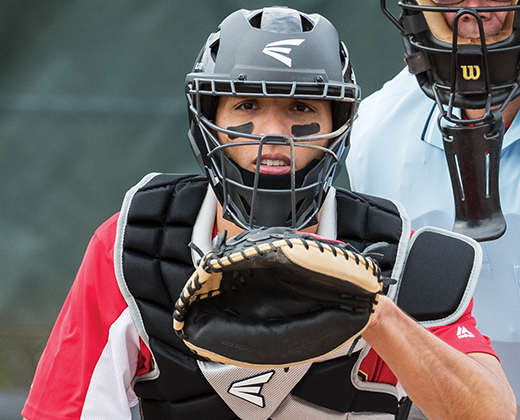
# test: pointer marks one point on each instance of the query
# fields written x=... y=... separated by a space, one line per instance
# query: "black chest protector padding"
x=435 y=276
x=333 y=372
x=364 y=220
x=157 y=263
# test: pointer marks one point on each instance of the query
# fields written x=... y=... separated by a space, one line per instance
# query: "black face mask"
x=275 y=182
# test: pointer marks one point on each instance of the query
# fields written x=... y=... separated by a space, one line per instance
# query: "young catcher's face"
x=282 y=116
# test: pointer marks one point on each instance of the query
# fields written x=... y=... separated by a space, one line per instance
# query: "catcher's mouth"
x=269 y=162
x=274 y=165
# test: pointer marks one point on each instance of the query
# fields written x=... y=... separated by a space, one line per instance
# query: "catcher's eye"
x=246 y=105
x=302 y=107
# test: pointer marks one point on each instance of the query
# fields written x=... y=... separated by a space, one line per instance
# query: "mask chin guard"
x=473 y=157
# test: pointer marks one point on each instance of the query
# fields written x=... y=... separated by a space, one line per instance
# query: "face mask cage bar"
x=330 y=157
x=440 y=9
x=498 y=87
x=346 y=92
x=220 y=164
x=448 y=112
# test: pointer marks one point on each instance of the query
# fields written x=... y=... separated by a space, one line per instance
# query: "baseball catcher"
x=267 y=326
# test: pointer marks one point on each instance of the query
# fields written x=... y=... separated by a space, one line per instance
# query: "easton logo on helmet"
x=277 y=50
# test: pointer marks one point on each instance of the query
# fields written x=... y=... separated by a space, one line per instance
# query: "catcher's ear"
x=439 y=277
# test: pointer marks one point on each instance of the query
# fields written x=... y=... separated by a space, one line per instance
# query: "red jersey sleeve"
x=462 y=335
x=77 y=349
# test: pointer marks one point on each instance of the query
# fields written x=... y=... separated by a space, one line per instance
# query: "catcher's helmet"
x=460 y=72
x=273 y=52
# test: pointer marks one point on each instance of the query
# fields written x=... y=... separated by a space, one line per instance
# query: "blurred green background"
x=91 y=99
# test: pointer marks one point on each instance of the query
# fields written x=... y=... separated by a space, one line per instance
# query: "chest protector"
x=154 y=230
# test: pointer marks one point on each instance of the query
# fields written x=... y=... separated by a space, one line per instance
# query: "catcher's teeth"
x=270 y=162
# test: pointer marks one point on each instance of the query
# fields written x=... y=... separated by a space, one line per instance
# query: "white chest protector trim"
x=120 y=277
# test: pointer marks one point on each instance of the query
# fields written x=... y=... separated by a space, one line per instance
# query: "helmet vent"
x=214 y=50
x=281 y=20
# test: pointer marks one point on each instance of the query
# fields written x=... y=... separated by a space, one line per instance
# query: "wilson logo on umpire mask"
x=277 y=50
x=470 y=72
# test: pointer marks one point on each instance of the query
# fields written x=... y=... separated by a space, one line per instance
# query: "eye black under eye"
x=244 y=128
x=305 y=130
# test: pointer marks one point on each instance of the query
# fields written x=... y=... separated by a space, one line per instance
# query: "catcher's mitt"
x=276 y=298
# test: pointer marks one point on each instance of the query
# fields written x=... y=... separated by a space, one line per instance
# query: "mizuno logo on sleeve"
x=462 y=332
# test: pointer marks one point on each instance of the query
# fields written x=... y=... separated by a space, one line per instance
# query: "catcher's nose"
x=273 y=122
